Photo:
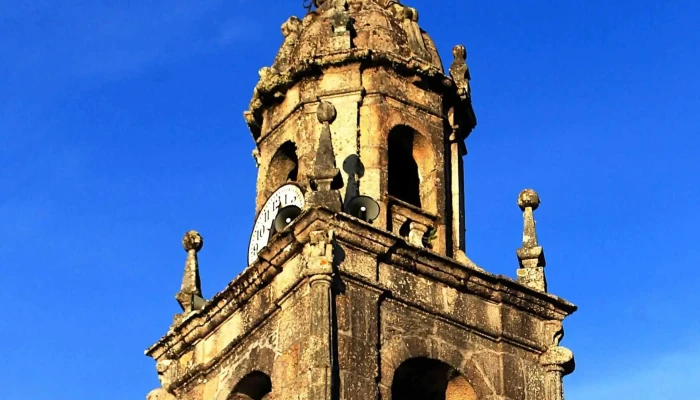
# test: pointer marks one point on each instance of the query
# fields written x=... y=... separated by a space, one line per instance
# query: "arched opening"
x=404 y=177
x=428 y=379
x=254 y=386
x=283 y=167
x=411 y=168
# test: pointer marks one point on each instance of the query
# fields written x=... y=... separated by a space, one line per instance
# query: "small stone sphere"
x=325 y=112
x=528 y=198
x=192 y=241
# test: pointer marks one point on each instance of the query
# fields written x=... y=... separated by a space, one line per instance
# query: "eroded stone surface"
x=336 y=307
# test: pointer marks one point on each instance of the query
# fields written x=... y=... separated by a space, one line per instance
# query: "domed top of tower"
x=382 y=27
x=337 y=32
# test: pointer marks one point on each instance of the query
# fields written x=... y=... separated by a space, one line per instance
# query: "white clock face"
x=286 y=195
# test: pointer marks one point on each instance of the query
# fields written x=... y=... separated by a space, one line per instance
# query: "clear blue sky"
x=122 y=128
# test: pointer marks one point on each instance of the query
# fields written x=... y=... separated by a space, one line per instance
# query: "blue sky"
x=122 y=128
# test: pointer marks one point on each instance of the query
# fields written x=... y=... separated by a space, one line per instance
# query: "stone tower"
x=357 y=103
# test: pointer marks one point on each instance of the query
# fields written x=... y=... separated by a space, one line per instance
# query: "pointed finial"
x=324 y=167
x=324 y=170
x=530 y=255
x=192 y=242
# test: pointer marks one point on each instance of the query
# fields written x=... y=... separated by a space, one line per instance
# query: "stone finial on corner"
x=459 y=71
x=530 y=255
x=191 y=286
x=324 y=169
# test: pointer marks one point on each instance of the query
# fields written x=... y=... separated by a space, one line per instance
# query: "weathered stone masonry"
x=357 y=103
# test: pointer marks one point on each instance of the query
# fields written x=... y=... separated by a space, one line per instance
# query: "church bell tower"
x=358 y=284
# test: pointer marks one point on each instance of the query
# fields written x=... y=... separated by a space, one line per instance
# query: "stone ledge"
x=386 y=246
x=273 y=84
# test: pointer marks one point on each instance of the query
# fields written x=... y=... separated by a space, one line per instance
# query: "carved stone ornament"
x=319 y=253
x=290 y=26
x=554 y=330
x=459 y=71
x=192 y=241
x=166 y=371
x=558 y=357
x=340 y=21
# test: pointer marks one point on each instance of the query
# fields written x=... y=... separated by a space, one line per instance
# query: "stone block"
x=357 y=356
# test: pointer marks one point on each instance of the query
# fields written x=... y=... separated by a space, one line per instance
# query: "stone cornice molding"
x=273 y=84
x=388 y=248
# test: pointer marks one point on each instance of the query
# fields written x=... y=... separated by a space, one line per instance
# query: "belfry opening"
x=284 y=165
x=424 y=378
x=403 y=174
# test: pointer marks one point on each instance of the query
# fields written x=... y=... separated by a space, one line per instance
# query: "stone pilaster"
x=319 y=269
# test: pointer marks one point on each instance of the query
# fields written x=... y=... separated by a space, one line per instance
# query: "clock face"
x=286 y=195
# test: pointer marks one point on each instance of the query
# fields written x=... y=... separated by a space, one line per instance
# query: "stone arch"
x=283 y=167
x=254 y=386
x=259 y=360
x=423 y=378
x=400 y=349
x=411 y=170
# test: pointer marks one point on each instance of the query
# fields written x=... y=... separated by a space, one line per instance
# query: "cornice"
x=273 y=85
x=388 y=248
